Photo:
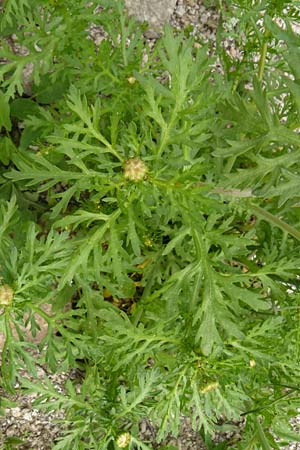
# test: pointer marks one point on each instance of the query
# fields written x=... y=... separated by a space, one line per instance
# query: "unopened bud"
x=123 y=440
x=209 y=387
x=6 y=295
x=131 y=80
x=135 y=169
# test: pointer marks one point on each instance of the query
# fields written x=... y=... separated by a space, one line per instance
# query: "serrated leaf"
x=83 y=250
x=7 y=214
x=238 y=148
x=132 y=236
x=80 y=217
x=175 y=241
x=262 y=436
x=292 y=40
x=245 y=296
x=208 y=333
x=286 y=190
x=14 y=82
x=157 y=87
x=260 y=98
x=65 y=198
x=295 y=90
x=289 y=436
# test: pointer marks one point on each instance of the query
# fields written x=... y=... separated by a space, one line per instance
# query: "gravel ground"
x=37 y=430
x=34 y=429
x=202 y=20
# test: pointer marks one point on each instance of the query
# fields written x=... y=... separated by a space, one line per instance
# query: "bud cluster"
x=135 y=169
x=123 y=440
x=6 y=295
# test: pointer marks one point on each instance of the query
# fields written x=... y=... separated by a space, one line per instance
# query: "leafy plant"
x=153 y=203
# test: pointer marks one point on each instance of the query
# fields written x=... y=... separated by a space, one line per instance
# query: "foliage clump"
x=153 y=203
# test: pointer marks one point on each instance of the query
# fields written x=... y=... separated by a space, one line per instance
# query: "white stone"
x=156 y=12
x=180 y=10
x=16 y=412
x=27 y=416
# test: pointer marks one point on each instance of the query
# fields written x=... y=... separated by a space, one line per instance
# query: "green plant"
x=153 y=204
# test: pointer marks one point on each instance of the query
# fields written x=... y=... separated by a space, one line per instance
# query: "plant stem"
x=263 y=55
x=262 y=437
x=276 y=221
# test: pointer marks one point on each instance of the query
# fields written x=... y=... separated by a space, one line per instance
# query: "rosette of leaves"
x=175 y=247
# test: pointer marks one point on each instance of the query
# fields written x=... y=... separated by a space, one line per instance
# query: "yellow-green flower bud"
x=210 y=387
x=123 y=440
x=135 y=169
x=6 y=295
x=131 y=80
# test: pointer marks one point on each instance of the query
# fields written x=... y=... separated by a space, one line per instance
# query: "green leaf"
x=13 y=83
x=4 y=112
x=276 y=221
x=48 y=92
x=288 y=436
x=23 y=107
x=5 y=404
x=14 y=440
x=260 y=98
x=208 y=332
x=82 y=251
x=156 y=87
x=176 y=240
x=245 y=295
x=29 y=136
x=292 y=40
x=262 y=437
x=238 y=148
x=132 y=236
x=7 y=214
x=81 y=217
x=168 y=447
x=295 y=91
x=7 y=148
x=285 y=190
x=65 y=198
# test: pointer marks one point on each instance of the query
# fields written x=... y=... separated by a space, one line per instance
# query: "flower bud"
x=135 y=169
x=210 y=387
x=123 y=440
x=6 y=295
x=131 y=80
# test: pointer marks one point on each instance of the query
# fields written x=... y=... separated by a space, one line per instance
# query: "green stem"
x=263 y=55
x=166 y=132
x=276 y=221
x=123 y=38
x=262 y=437
x=108 y=73
x=105 y=142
